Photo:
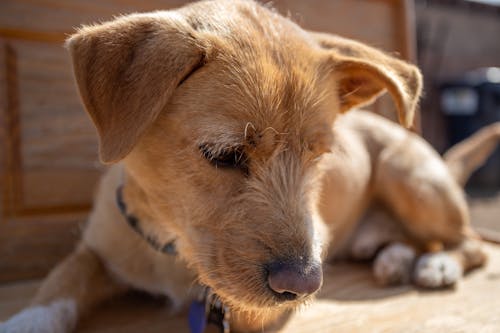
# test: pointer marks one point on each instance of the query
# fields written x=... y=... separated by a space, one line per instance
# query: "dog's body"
x=286 y=189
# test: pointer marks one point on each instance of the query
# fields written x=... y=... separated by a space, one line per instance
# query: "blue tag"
x=197 y=317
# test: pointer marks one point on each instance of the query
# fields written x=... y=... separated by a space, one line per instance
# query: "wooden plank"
x=350 y=302
x=377 y=22
x=12 y=136
x=30 y=247
x=50 y=142
x=3 y=127
x=372 y=22
x=51 y=20
x=59 y=150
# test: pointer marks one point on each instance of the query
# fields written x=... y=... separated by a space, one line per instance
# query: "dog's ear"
x=126 y=71
x=364 y=73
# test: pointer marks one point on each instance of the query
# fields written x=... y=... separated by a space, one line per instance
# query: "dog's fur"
x=168 y=91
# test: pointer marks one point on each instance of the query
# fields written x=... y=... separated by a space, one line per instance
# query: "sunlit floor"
x=350 y=302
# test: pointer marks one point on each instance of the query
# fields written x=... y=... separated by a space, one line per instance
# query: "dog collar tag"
x=197 y=317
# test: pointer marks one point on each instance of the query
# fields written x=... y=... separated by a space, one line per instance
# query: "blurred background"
x=48 y=147
x=457 y=51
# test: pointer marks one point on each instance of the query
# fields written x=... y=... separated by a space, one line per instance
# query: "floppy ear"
x=364 y=73
x=126 y=71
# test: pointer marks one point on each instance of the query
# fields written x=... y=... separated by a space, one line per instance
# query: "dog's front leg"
x=70 y=290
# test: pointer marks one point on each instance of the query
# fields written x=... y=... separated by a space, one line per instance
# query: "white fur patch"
x=393 y=264
x=435 y=270
x=57 y=317
x=319 y=233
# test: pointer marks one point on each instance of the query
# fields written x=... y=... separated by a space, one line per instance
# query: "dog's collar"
x=134 y=223
x=208 y=310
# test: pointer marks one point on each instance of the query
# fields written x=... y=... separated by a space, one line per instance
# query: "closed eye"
x=231 y=158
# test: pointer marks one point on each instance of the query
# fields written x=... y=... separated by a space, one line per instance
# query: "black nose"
x=294 y=280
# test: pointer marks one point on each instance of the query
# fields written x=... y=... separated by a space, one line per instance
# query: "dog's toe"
x=393 y=264
x=437 y=270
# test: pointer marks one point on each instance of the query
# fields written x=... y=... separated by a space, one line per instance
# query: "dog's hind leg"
x=414 y=182
x=380 y=236
x=375 y=230
x=71 y=289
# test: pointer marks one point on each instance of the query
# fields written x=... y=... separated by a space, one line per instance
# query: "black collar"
x=133 y=221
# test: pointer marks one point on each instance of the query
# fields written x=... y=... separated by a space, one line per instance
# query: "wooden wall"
x=48 y=160
x=455 y=36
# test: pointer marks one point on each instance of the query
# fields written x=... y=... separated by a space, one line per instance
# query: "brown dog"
x=227 y=121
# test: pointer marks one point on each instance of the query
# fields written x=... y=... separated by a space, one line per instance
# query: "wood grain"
x=30 y=247
x=12 y=158
x=3 y=128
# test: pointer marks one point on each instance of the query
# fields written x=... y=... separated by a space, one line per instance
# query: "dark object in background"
x=469 y=103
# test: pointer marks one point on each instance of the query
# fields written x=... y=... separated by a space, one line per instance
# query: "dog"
x=240 y=163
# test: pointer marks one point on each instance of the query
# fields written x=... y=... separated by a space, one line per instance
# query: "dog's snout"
x=291 y=280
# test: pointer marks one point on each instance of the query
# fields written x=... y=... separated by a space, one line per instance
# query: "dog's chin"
x=259 y=303
x=244 y=286
x=254 y=297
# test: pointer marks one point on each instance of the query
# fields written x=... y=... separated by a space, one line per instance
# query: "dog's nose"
x=294 y=280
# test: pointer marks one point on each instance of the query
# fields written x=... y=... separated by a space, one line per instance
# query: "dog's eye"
x=227 y=158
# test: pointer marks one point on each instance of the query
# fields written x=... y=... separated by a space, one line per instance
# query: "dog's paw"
x=393 y=264
x=58 y=317
x=437 y=270
x=363 y=249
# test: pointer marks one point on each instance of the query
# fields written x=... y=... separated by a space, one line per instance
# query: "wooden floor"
x=350 y=302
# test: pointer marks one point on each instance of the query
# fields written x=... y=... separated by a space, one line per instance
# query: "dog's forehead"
x=264 y=78
x=264 y=83
x=258 y=97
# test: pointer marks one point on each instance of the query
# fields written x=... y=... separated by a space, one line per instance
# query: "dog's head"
x=221 y=112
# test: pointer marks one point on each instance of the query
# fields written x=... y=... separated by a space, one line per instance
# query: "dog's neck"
x=135 y=223
x=209 y=310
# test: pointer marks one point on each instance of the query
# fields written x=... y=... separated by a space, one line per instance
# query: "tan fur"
x=234 y=75
x=465 y=157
